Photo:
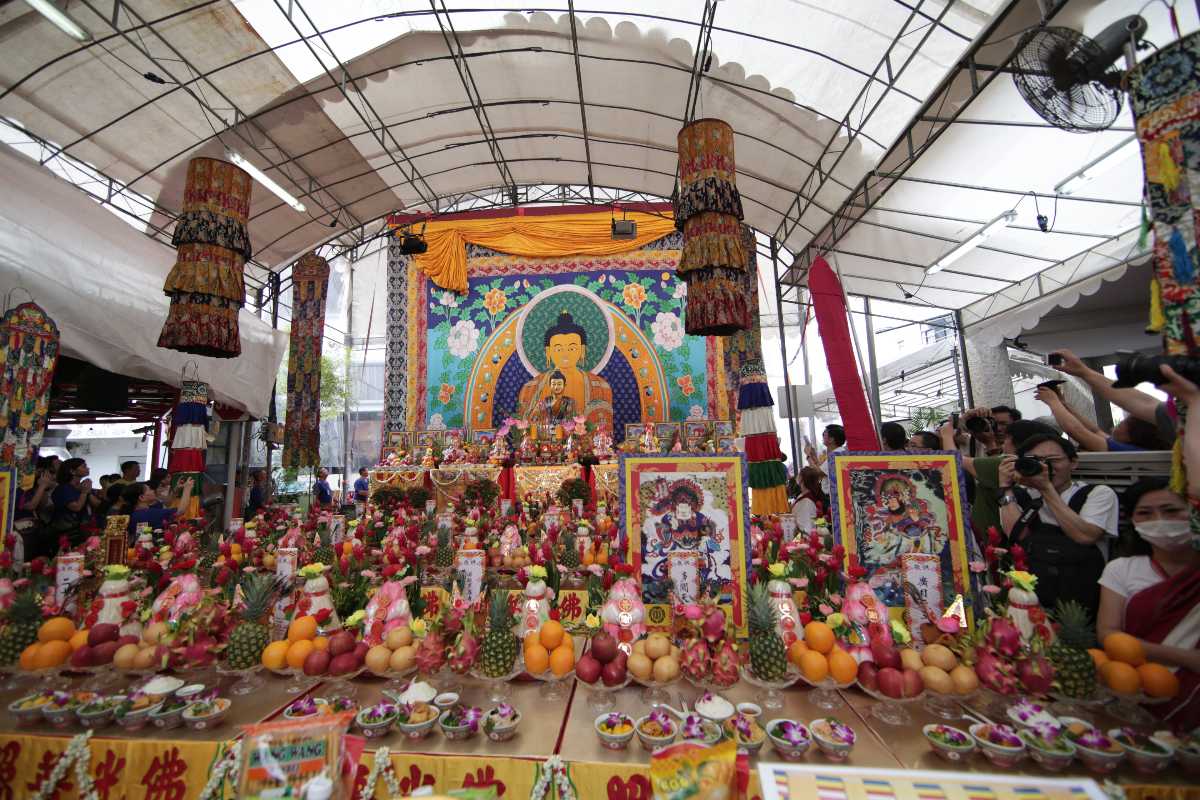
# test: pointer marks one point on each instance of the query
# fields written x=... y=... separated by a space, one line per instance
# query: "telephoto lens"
x=1139 y=368
x=1028 y=465
x=978 y=425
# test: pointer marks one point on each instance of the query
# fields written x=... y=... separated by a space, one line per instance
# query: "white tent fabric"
x=100 y=281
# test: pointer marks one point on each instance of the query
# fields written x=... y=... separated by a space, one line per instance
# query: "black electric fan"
x=1071 y=80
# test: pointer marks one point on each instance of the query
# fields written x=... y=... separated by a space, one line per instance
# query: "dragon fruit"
x=466 y=650
x=1036 y=674
x=1004 y=637
x=713 y=627
x=694 y=660
x=994 y=672
x=725 y=665
x=431 y=653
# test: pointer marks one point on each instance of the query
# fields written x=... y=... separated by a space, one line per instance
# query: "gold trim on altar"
x=540 y=480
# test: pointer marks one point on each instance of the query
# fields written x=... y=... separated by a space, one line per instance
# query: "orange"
x=1125 y=648
x=302 y=628
x=28 y=658
x=321 y=644
x=797 y=649
x=1099 y=657
x=51 y=654
x=79 y=639
x=567 y=641
x=1122 y=678
x=537 y=659
x=56 y=629
x=819 y=636
x=551 y=634
x=298 y=651
x=274 y=655
x=815 y=666
x=842 y=666
x=562 y=660
x=1157 y=680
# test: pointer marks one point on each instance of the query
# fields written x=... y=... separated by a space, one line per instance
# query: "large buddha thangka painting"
x=551 y=339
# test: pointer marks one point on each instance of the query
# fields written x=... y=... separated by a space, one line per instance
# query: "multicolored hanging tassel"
x=30 y=341
x=302 y=427
x=1157 y=321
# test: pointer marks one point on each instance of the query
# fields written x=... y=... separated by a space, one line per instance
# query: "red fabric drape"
x=829 y=304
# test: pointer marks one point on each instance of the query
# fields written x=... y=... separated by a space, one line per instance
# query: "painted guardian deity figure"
x=564 y=390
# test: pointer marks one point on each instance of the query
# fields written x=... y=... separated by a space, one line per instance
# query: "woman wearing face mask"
x=1156 y=597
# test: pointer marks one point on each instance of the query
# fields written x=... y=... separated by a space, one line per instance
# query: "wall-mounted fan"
x=1071 y=80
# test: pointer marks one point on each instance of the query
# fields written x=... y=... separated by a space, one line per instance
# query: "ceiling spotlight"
x=261 y=177
x=60 y=19
x=980 y=236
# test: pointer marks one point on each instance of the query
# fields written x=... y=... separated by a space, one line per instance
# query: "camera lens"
x=1028 y=466
x=978 y=424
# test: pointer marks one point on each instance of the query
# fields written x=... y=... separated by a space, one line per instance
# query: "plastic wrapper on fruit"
x=695 y=772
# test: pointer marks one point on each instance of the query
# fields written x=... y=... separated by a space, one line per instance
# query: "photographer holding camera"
x=1063 y=524
x=1136 y=403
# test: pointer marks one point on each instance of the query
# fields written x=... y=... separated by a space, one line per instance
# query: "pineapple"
x=1073 y=666
x=570 y=551
x=324 y=552
x=500 y=644
x=445 y=555
x=21 y=629
x=768 y=658
x=208 y=559
x=250 y=638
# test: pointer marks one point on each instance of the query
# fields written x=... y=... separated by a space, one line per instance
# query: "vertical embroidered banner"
x=743 y=347
x=302 y=427
x=206 y=285
x=30 y=340
x=189 y=442
x=395 y=381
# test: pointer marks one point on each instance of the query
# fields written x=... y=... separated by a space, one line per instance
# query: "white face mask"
x=1169 y=534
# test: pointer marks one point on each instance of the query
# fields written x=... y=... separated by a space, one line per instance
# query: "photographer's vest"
x=1065 y=569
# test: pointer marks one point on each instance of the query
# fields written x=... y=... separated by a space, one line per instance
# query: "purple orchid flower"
x=793 y=733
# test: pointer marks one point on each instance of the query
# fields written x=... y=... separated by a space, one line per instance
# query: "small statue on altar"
x=114 y=603
x=510 y=541
x=650 y=443
x=602 y=444
x=624 y=614
x=314 y=598
x=454 y=452
x=527 y=452
x=535 y=605
x=499 y=452
x=428 y=461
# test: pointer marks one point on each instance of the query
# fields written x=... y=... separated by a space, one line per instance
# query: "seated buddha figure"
x=564 y=389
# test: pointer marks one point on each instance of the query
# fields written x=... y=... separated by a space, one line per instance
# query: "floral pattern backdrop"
x=642 y=287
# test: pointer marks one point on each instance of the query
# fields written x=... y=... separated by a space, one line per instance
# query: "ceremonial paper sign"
x=337 y=528
x=505 y=506
x=577 y=504
x=235 y=525
x=684 y=569
x=68 y=573
x=445 y=520
x=469 y=564
x=922 y=572
x=286 y=559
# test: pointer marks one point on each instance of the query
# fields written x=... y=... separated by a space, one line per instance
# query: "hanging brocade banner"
x=30 y=354
x=206 y=284
x=1165 y=95
x=190 y=421
x=302 y=427
x=745 y=346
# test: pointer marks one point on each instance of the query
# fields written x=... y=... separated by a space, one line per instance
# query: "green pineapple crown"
x=325 y=535
x=259 y=590
x=499 y=617
x=1075 y=624
x=26 y=608
x=762 y=615
x=443 y=537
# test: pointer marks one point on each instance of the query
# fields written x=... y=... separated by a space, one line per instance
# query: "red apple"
x=341 y=642
x=127 y=639
x=613 y=673
x=316 y=663
x=913 y=685
x=102 y=632
x=103 y=653
x=604 y=647
x=868 y=676
x=82 y=657
x=588 y=669
x=885 y=655
x=891 y=682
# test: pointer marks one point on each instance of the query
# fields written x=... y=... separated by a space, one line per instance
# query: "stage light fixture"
x=624 y=229
x=261 y=177
x=980 y=236
x=60 y=19
x=412 y=244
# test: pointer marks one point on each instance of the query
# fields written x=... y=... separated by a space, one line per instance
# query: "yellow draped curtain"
x=445 y=262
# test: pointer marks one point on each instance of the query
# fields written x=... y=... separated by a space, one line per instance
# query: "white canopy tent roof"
x=364 y=107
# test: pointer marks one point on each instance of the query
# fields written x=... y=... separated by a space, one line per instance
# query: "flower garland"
x=228 y=766
x=79 y=754
x=382 y=765
x=553 y=774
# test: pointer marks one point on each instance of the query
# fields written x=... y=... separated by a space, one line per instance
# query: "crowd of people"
x=1022 y=492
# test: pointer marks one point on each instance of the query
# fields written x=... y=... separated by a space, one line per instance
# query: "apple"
x=82 y=657
x=588 y=669
x=360 y=651
x=127 y=639
x=868 y=676
x=316 y=663
x=341 y=642
x=885 y=655
x=343 y=664
x=604 y=647
x=102 y=632
x=891 y=682
x=911 y=685
x=613 y=673
x=103 y=653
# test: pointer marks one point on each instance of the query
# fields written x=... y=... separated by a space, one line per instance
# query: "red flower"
x=857 y=571
x=993 y=536
x=1037 y=615
x=838 y=552
x=805 y=617
x=554 y=615
x=323 y=615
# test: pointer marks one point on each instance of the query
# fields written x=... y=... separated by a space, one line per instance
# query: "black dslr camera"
x=1137 y=368
x=1028 y=466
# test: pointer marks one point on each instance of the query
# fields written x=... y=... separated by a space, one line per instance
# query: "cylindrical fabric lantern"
x=711 y=239
x=756 y=423
x=302 y=427
x=206 y=285
x=30 y=342
x=707 y=171
x=716 y=303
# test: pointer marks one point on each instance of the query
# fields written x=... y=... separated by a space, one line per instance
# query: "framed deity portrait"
x=723 y=427
x=424 y=439
x=398 y=440
x=665 y=433
x=484 y=437
x=888 y=507
x=634 y=431
x=694 y=432
x=686 y=514
x=726 y=444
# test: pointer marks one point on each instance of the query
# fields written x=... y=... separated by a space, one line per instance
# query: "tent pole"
x=272 y=414
x=157 y=451
x=232 y=454
x=347 y=447
x=812 y=419
x=962 y=355
x=787 y=383
x=871 y=364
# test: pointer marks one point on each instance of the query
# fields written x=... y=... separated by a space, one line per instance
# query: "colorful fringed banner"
x=30 y=340
x=744 y=346
x=189 y=442
x=1165 y=93
x=768 y=478
x=829 y=306
x=302 y=427
x=206 y=284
